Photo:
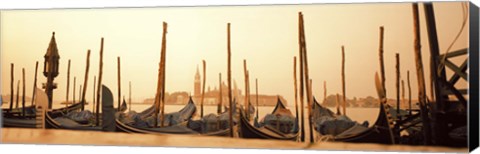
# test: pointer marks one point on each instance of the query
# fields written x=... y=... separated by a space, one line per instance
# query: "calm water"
x=357 y=114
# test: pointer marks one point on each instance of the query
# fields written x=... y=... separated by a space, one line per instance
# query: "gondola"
x=14 y=118
x=379 y=132
x=184 y=114
x=280 y=119
x=211 y=125
x=216 y=125
x=329 y=124
x=266 y=131
x=56 y=120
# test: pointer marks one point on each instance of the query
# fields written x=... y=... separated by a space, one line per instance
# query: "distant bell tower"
x=196 y=90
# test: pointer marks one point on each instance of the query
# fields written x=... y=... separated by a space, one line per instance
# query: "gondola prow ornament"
x=50 y=69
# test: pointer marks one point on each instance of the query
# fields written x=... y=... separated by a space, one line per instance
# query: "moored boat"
x=275 y=128
x=175 y=122
x=57 y=120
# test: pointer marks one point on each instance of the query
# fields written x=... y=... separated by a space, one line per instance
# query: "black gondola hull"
x=250 y=132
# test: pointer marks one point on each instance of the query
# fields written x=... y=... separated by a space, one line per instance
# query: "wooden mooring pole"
x=324 y=91
x=303 y=46
x=344 y=97
x=295 y=88
x=302 y=121
x=245 y=101
x=157 y=95
x=420 y=77
x=338 y=104
x=220 y=95
x=256 y=95
x=397 y=84
x=18 y=94
x=94 y=92
x=23 y=92
x=383 y=99
x=34 y=83
x=248 y=96
x=403 y=94
x=118 y=83
x=409 y=94
x=74 y=82
x=159 y=106
x=310 y=97
x=12 y=80
x=80 y=92
x=157 y=102
x=99 y=85
x=229 y=80
x=85 y=82
x=382 y=66
x=203 y=87
x=129 y=96
x=68 y=84
x=163 y=62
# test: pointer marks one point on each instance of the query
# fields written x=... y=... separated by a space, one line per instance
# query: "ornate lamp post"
x=50 y=69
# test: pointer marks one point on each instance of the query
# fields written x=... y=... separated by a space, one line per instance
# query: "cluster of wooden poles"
x=422 y=98
x=82 y=90
x=96 y=84
x=23 y=88
x=306 y=82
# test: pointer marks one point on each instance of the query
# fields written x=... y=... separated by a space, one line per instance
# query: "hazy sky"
x=266 y=36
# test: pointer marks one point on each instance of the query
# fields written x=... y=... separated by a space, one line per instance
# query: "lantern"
x=52 y=52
